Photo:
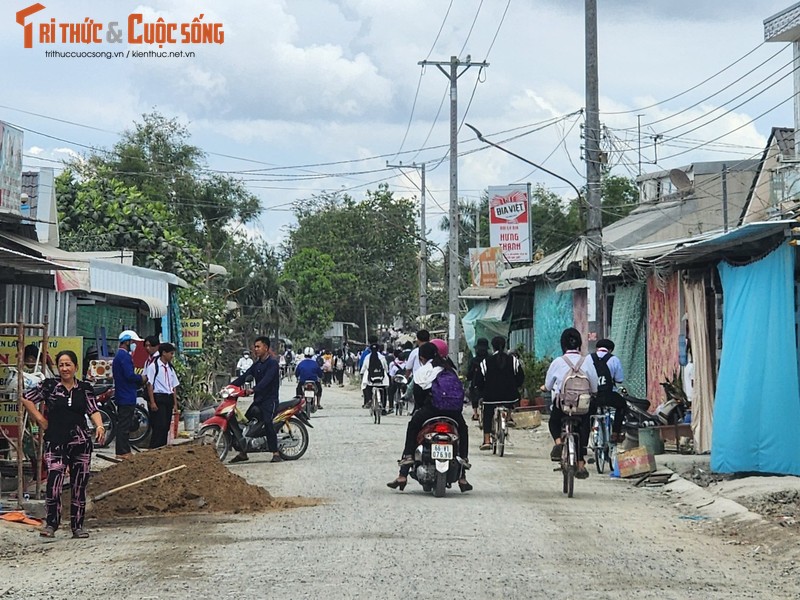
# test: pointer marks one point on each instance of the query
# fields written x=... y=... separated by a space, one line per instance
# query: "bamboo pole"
x=39 y=441
x=20 y=410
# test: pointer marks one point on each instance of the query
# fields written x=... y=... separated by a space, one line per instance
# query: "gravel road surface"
x=515 y=536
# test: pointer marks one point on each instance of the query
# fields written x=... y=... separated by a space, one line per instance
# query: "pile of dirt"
x=782 y=507
x=205 y=485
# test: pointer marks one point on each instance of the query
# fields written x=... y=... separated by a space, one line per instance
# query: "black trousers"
x=124 y=420
x=161 y=420
x=617 y=402
x=556 y=418
x=488 y=413
x=339 y=375
x=428 y=412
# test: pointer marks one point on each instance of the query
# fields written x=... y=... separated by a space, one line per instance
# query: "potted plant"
x=535 y=372
x=196 y=390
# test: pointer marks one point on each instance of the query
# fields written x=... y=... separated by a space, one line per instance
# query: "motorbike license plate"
x=309 y=394
x=442 y=452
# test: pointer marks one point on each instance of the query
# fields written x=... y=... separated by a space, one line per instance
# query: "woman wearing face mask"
x=67 y=439
x=126 y=382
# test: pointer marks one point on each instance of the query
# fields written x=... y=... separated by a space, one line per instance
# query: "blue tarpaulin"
x=757 y=404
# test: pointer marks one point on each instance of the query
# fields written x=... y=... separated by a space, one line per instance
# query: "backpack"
x=605 y=383
x=447 y=391
x=575 y=394
x=338 y=364
x=375 y=371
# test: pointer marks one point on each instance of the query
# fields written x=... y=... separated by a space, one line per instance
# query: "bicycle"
x=499 y=430
x=601 y=437
x=399 y=395
x=378 y=400
x=570 y=440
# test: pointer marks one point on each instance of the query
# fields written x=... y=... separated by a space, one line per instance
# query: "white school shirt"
x=165 y=381
x=559 y=369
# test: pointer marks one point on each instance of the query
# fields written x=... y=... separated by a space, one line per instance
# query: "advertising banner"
x=8 y=357
x=10 y=168
x=193 y=336
x=509 y=221
x=486 y=265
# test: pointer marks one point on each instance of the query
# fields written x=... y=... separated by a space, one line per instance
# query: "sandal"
x=47 y=532
x=582 y=473
x=80 y=533
x=474 y=417
x=485 y=447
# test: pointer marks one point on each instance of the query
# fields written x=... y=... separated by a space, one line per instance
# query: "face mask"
x=133 y=348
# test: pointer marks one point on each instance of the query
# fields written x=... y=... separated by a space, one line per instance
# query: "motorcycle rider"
x=560 y=367
x=433 y=360
x=265 y=393
x=245 y=362
x=398 y=365
x=309 y=370
x=609 y=376
x=481 y=352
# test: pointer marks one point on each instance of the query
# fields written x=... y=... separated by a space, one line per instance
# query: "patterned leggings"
x=75 y=455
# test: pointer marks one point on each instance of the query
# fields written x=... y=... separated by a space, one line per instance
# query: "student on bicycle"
x=499 y=379
x=609 y=376
x=374 y=372
x=571 y=346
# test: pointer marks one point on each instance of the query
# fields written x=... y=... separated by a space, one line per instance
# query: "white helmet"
x=308 y=352
x=129 y=335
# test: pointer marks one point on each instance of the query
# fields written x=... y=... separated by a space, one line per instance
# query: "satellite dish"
x=680 y=180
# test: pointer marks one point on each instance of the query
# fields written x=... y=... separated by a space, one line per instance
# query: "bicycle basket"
x=576 y=405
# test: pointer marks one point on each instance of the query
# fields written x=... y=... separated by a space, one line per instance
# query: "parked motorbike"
x=107 y=407
x=437 y=464
x=229 y=425
x=638 y=414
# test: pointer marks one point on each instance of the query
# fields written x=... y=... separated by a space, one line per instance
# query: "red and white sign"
x=509 y=222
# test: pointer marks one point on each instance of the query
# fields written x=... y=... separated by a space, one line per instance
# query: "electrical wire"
x=694 y=87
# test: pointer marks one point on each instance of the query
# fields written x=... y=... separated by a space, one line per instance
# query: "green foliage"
x=535 y=371
x=107 y=214
x=373 y=247
x=619 y=197
x=310 y=275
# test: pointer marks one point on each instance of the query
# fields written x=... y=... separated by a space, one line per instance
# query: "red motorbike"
x=230 y=428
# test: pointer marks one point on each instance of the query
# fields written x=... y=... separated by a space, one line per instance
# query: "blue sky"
x=301 y=83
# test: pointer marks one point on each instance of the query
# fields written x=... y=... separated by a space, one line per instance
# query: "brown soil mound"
x=205 y=485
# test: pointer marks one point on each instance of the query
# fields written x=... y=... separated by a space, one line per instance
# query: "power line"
x=684 y=92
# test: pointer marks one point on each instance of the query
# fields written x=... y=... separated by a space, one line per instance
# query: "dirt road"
x=514 y=536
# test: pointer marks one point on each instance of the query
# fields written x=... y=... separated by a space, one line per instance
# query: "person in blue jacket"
x=126 y=382
x=266 y=373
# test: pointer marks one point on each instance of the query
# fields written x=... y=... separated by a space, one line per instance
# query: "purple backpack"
x=448 y=392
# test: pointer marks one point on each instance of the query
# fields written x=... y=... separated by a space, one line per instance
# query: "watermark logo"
x=28 y=27
x=135 y=31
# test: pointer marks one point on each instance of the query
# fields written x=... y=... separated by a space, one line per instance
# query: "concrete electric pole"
x=453 y=288
x=423 y=242
x=594 y=217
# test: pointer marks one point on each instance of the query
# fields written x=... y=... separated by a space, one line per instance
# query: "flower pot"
x=524 y=402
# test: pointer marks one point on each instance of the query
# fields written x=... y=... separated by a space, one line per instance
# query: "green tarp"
x=485 y=319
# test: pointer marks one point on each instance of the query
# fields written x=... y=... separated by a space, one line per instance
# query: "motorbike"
x=229 y=425
x=437 y=464
x=311 y=397
x=638 y=411
x=107 y=407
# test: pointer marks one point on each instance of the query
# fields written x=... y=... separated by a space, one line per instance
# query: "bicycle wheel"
x=494 y=433
x=572 y=467
x=600 y=448
x=501 y=433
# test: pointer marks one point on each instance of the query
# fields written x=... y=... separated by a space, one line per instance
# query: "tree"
x=107 y=214
x=310 y=275
x=619 y=197
x=373 y=245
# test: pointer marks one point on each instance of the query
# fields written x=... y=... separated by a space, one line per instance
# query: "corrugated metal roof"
x=108 y=279
x=485 y=293
x=28 y=263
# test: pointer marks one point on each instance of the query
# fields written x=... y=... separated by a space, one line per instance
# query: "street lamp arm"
x=525 y=160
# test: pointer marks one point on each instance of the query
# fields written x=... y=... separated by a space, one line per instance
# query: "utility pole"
x=478 y=225
x=594 y=230
x=453 y=288
x=639 y=129
x=423 y=242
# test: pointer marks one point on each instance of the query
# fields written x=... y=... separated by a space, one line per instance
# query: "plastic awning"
x=485 y=319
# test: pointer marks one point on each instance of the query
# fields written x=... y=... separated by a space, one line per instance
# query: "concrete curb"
x=707 y=504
